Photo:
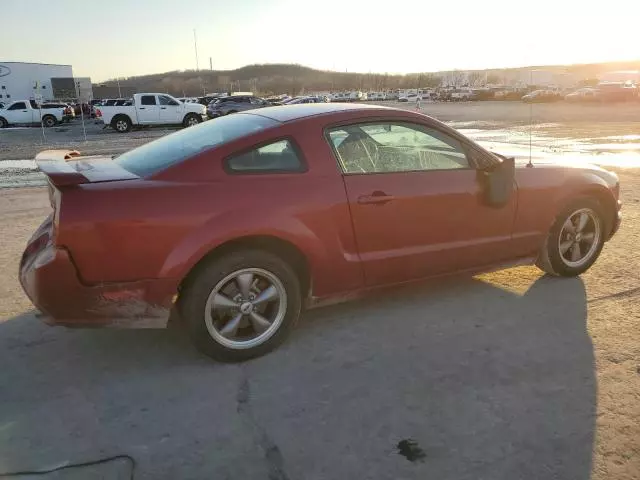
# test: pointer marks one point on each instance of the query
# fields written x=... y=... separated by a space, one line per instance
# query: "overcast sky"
x=105 y=39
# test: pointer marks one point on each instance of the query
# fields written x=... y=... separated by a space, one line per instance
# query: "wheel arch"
x=120 y=115
x=590 y=184
x=282 y=248
x=604 y=197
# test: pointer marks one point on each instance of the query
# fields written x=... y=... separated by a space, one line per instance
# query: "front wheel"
x=575 y=239
x=241 y=306
x=191 y=120
x=3 y=123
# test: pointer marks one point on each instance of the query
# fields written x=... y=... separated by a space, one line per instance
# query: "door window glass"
x=18 y=106
x=148 y=100
x=395 y=147
x=164 y=100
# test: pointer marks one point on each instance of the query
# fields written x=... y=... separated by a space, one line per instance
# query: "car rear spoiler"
x=62 y=172
x=53 y=164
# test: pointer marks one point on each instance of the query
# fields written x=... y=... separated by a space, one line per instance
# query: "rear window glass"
x=280 y=156
x=155 y=156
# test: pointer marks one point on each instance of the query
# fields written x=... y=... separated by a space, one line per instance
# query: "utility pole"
x=195 y=46
x=210 y=63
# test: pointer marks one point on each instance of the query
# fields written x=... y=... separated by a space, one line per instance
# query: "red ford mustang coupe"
x=238 y=224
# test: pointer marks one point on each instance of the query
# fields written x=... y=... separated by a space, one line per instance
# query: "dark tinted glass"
x=148 y=100
x=279 y=156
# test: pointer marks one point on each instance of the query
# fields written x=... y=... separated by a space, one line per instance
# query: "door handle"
x=141 y=108
x=163 y=108
x=376 y=198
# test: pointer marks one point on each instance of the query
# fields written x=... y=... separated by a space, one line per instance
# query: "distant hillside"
x=294 y=79
x=266 y=79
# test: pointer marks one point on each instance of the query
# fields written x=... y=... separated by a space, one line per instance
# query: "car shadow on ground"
x=478 y=381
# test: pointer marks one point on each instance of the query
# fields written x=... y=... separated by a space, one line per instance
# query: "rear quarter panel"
x=161 y=228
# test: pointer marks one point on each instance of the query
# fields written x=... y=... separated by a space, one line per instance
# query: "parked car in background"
x=461 y=94
x=408 y=97
x=233 y=104
x=376 y=96
x=298 y=100
x=542 y=96
x=211 y=97
x=151 y=109
x=617 y=92
x=336 y=201
x=583 y=95
x=278 y=99
x=24 y=112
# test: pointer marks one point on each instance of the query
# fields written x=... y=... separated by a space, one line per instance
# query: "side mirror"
x=498 y=182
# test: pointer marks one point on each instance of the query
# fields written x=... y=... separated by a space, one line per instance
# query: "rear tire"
x=191 y=120
x=226 y=301
x=575 y=239
x=49 y=121
x=3 y=123
x=121 y=124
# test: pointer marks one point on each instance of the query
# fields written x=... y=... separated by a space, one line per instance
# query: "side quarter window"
x=277 y=157
x=395 y=147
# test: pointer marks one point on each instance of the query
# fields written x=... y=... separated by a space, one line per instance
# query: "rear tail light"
x=98 y=112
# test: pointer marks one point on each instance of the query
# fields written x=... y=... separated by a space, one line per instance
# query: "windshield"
x=155 y=156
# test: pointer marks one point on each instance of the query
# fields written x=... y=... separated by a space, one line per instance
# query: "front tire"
x=575 y=239
x=191 y=120
x=241 y=305
x=3 y=123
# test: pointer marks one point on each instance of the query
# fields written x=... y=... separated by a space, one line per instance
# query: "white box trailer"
x=21 y=80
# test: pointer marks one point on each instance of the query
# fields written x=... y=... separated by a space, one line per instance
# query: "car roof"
x=288 y=113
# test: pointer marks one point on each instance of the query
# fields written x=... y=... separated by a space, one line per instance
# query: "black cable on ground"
x=91 y=463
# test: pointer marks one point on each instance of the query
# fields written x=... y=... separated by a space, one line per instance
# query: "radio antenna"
x=530 y=164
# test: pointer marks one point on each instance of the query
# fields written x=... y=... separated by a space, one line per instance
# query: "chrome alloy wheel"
x=579 y=238
x=121 y=125
x=245 y=308
x=192 y=121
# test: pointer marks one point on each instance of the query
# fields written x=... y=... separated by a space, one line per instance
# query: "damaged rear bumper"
x=50 y=280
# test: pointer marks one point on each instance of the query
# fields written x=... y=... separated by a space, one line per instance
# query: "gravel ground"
x=511 y=375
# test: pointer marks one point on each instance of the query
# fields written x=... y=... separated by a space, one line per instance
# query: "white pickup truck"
x=152 y=109
x=23 y=112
